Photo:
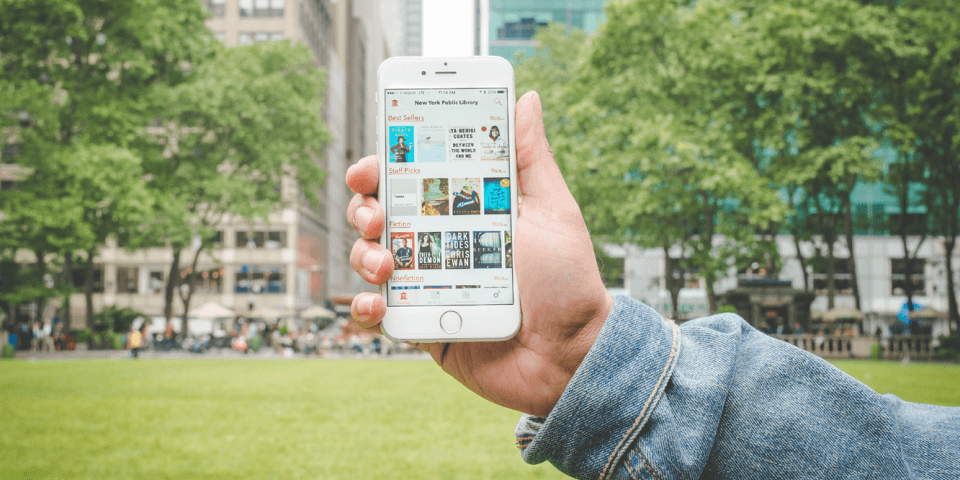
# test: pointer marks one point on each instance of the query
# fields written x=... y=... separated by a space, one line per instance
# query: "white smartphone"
x=448 y=170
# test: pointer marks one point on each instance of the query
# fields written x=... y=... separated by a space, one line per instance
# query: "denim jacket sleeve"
x=716 y=398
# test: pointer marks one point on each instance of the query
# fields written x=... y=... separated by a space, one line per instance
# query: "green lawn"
x=350 y=419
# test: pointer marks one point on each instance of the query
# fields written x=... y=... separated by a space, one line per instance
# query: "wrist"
x=573 y=349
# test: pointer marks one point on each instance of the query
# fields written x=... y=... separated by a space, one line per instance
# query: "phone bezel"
x=479 y=322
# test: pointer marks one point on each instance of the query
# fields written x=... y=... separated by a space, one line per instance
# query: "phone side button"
x=450 y=322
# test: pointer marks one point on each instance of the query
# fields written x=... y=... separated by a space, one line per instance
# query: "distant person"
x=135 y=342
x=37 y=335
x=47 y=336
x=613 y=390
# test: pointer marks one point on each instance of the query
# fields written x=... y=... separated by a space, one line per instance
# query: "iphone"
x=448 y=170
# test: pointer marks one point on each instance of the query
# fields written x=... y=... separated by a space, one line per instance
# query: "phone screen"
x=449 y=190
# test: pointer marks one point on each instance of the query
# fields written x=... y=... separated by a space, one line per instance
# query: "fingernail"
x=361 y=218
x=372 y=260
x=365 y=306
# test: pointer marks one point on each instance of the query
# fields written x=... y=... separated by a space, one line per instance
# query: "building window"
x=272 y=239
x=246 y=38
x=525 y=29
x=898 y=276
x=222 y=36
x=841 y=276
x=261 y=279
x=206 y=281
x=262 y=8
x=128 y=279
x=155 y=281
x=217 y=7
x=80 y=277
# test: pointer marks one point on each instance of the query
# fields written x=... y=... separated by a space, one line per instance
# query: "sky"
x=447 y=28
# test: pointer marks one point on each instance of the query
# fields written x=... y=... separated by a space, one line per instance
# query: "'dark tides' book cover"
x=456 y=250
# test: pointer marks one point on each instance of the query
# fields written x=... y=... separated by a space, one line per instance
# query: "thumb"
x=538 y=173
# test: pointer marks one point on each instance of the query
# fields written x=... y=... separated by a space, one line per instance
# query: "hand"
x=562 y=298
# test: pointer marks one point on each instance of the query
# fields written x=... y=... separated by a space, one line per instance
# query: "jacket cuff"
x=610 y=397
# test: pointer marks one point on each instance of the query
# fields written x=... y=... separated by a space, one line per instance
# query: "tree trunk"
x=831 y=274
x=173 y=281
x=803 y=262
x=674 y=283
x=41 y=301
x=68 y=274
x=189 y=281
x=88 y=286
x=852 y=262
x=952 y=311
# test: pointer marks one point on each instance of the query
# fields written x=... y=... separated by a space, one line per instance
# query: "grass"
x=938 y=384
x=349 y=419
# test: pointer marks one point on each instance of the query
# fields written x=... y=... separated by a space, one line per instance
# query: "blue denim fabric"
x=716 y=398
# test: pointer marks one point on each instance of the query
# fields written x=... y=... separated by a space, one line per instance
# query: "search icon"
x=497 y=101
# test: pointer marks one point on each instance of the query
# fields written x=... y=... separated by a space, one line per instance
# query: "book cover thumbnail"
x=508 y=249
x=403 y=196
x=466 y=196
x=428 y=251
x=487 y=250
x=436 y=197
x=401 y=145
x=463 y=146
x=493 y=145
x=431 y=144
x=402 y=246
x=496 y=195
x=456 y=250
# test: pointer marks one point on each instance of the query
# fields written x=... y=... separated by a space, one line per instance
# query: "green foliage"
x=705 y=128
x=255 y=343
x=7 y=352
x=116 y=340
x=83 y=335
x=283 y=330
x=115 y=319
x=949 y=348
x=727 y=309
x=74 y=79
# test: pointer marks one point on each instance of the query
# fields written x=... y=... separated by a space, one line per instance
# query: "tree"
x=92 y=63
x=246 y=121
x=922 y=118
x=643 y=141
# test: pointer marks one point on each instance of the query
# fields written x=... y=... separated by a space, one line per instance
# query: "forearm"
x=717 y=397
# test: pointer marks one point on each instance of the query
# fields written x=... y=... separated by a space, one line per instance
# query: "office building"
x=510 y=25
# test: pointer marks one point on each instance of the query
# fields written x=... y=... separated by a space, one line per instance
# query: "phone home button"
x=451 y=322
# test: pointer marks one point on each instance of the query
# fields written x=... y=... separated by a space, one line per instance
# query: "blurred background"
x=175 y=167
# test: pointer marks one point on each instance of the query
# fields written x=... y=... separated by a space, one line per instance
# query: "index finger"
x=364 y=176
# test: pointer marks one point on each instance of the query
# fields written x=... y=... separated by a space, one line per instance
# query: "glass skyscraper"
x=514 y=23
